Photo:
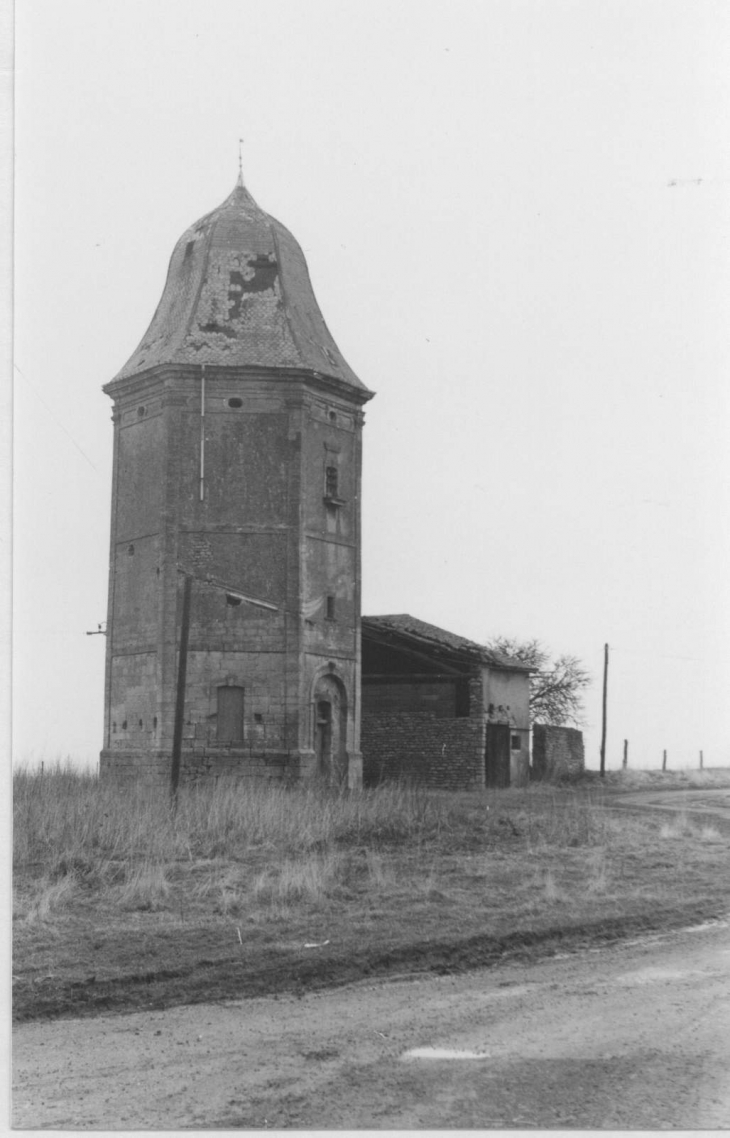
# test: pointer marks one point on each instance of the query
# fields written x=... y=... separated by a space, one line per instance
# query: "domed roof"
x=238 y=293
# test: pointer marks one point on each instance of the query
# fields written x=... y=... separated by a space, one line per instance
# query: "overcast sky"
x=516 y=217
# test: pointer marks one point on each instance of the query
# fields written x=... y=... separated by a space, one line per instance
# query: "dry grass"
x=711 y=778
x=112 y=883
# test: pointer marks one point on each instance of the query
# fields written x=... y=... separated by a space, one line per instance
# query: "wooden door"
x=230 y=715
x=497 y=754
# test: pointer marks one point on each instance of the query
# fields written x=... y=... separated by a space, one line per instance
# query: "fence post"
x=626 y=753
x=664 y=760
x=702 y=760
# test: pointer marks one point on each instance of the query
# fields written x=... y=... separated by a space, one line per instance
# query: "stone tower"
x=237 y=459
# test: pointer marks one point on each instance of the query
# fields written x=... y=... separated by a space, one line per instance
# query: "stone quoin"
x=237 y=463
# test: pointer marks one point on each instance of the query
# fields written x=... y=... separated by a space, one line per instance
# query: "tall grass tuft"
x=69 y=821
x=146 y=888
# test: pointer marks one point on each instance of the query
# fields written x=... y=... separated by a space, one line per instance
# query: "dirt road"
x=634 y=1035
x=711 y=805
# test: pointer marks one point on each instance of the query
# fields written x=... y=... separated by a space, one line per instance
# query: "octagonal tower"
x=237 y=463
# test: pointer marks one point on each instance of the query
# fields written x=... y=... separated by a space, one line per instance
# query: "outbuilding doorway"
x=497 y=757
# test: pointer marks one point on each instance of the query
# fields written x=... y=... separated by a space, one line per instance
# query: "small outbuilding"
x=440 y=709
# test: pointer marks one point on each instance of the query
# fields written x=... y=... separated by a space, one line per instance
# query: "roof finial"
x=240 y=164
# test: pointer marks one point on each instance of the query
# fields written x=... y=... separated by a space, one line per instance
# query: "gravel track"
x=632 y=1035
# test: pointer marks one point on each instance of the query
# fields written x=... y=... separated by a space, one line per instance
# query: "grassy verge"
x=254 y=889
x=711 y=778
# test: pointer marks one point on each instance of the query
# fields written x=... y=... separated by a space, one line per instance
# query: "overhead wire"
x=55 y=419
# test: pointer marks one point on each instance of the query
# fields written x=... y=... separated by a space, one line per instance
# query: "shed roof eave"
x=402 y=628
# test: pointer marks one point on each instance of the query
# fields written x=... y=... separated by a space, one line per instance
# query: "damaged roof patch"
x=238 y=293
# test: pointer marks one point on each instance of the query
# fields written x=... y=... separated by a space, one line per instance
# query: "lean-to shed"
x=440 y=709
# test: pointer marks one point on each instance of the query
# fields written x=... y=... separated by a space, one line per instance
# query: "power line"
x=57 y=421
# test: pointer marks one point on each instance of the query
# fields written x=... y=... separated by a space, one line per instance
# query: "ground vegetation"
x=121 y=902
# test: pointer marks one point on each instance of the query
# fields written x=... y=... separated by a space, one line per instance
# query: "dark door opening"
x=497 y=755
x=324 y=737
x=230 y=715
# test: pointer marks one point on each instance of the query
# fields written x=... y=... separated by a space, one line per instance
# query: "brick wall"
x=261 y=525
x=446 y=753
x=557 y=752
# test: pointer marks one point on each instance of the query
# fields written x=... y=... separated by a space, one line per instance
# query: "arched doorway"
x=330 y=730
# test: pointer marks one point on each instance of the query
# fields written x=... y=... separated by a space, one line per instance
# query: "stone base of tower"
x=151 y=768
x=308 y=770
x=154 y=768
x=354 y=771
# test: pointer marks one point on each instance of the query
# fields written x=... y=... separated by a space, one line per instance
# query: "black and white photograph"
x=367 y=564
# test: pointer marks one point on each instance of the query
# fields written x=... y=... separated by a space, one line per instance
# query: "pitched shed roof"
x=238 y=293
x=408 y=628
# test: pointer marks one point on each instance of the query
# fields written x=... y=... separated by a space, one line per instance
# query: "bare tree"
x=556 y=686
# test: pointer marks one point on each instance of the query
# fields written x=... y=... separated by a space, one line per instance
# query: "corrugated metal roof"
x=419 y=632
x=238 y=293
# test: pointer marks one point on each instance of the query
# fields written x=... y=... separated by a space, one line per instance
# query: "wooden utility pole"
x=664 y=760
x=626 y=753
x=182 y=664
x=182 y=667
x=702 y=760
x=605 y=696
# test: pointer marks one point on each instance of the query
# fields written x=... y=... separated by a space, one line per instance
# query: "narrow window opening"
x=141 y=412
x=330 y=607
x=114 y=728
x=333 y=417
x=124 y=725
x=157 y=571
x=154 y=723
x=324 y=712
x=141 y=723
x=130 y=550
x=258 y=717
x=516 y=743
x=230 y=715
x=235 y=402
x=331 y=481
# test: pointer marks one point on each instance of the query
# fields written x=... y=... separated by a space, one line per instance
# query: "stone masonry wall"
x=155 y=767
x=557 y=752
x=444 y=753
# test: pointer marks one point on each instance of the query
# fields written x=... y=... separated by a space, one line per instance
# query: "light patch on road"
x=655 y=976
x=443 y=1053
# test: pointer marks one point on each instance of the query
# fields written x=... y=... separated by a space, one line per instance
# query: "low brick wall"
x=445 y=753
x=557 y=752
